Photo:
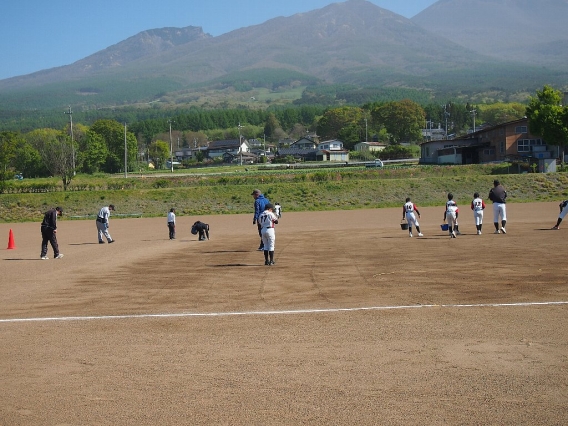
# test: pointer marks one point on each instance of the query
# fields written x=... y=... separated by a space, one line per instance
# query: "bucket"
x=404 y=226
x=445 y=227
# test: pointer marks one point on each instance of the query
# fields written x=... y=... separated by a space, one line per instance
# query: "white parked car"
x=376 y=163
x=169 y=164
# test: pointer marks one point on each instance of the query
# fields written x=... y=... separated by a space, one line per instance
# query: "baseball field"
x=355 y=324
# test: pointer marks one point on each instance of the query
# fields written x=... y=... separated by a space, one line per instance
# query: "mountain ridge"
x=504 y=29
x=353 y=42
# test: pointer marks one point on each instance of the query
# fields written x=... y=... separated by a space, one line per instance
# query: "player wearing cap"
x=102 y=223
x=267 y=220
x=498 y=195
x=278 y=210
x=410 y=211
x=478 y=205
x=49 y=233
x=451 y=215
x=260 y=202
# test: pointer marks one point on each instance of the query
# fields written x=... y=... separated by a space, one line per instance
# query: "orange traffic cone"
x=11 y=245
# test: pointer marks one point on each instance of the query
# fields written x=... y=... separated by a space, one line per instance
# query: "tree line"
x=110 y=145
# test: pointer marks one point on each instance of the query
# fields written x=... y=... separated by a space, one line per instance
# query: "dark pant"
x=259 y=226
x=48 y=234
x=172 y=229
x=204 y=231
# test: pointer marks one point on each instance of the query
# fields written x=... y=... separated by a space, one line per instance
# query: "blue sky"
x=42 y=34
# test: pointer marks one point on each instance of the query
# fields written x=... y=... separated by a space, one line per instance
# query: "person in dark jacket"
x=260 y=202
x=49 y=233
x=202 y=229
x=498 y=195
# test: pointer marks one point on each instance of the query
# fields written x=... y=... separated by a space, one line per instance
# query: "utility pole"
x=240 y=149
x=366 y=138
x=473 y=111
x=446 y=115
x=429 y=129
x=171 y=149
x=125 y=154
x=70 y=112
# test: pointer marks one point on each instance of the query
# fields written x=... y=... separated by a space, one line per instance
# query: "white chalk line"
x=283 y=312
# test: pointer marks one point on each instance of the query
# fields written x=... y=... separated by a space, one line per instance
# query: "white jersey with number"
x=451 y=207
x=477 y=205
x=266 y=220
x=452 y=213
x=410 y=210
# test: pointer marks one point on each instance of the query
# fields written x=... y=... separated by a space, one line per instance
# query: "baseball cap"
x=495 y=182
x=268 y=206
x=59 y=209
x=111 y=207
x=256 y=191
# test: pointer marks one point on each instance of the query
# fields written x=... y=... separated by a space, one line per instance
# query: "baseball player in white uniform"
x=102 y=224
x=478 y=205
x=409 y=210
x=451 y=215
x=278 y=210
x=267 y=220
x=563 y=212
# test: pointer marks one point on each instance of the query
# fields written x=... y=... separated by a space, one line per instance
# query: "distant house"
x=433 y=134
x=331 y=145
x=303 y=143
x=183 y=153
x=219 y=148
x=497 y=143
x=335 y=155
x=285 y=143
x=240 y=158
x=332 y=150
x=256 y=143
x=297 y=153
x=370 y=146
x=305 y=149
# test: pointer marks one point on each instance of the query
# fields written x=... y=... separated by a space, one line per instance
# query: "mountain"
x=353 y=42
x=528 y=31
x=145 y=45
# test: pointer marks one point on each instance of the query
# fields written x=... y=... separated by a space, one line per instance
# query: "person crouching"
x=202 y=229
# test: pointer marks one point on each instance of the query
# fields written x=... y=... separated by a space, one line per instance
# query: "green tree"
x=56 y=151
x=396 y=152
x=547 y=117
x=194 y=139
x=199 y=156
x=8 y=145
x=500 y=113
x=403 y=120
x=28 y=161
x=112 y=133
x=159 y=153
x=271 y=125
x=362 y=156
x=345 y=123
x=93 y=152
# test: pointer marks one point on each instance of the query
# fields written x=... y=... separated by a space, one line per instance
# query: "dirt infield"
x=355 y=324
